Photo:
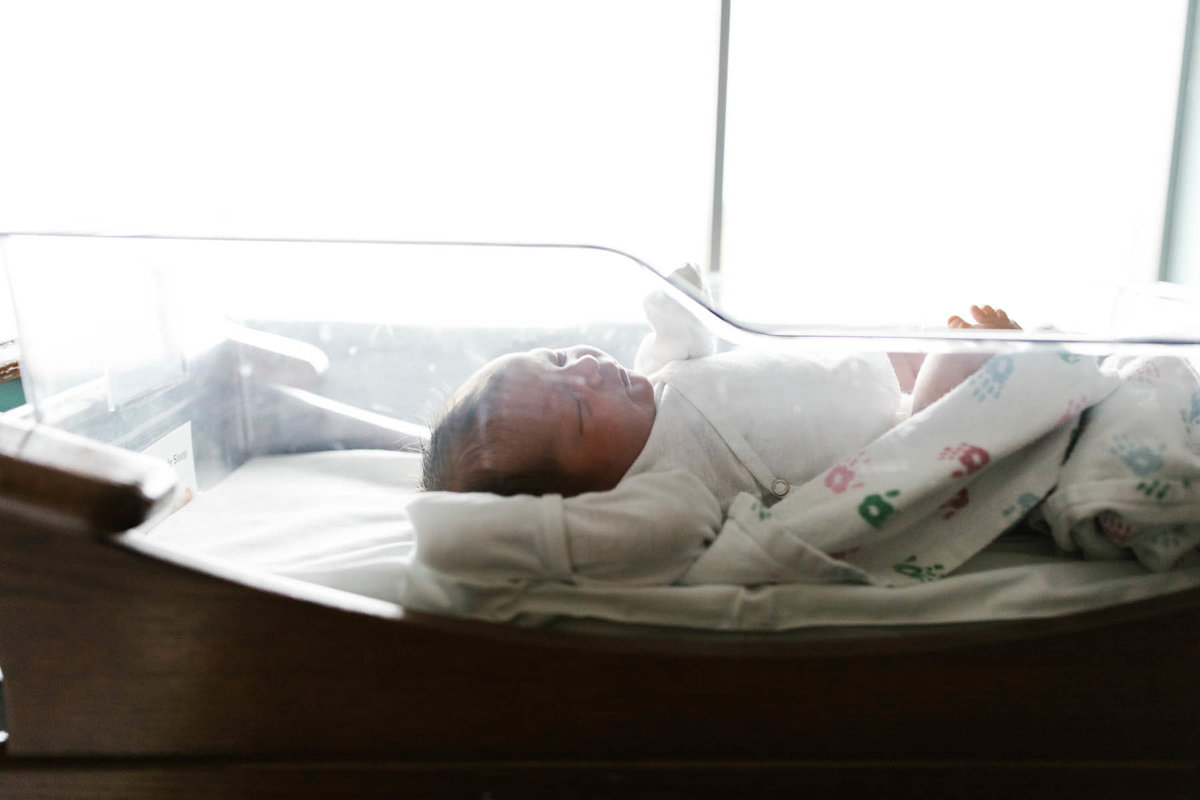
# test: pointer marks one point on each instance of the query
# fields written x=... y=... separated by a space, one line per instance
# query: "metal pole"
x=1168 y=269
x=714 y=245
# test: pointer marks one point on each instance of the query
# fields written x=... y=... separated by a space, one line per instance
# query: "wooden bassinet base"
x=128 y=676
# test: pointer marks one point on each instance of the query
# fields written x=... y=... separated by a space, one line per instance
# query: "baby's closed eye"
x=579 y=405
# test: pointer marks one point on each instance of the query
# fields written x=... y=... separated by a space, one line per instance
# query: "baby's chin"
x=641 y=391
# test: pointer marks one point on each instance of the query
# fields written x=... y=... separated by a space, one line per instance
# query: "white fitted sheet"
x=339 y=519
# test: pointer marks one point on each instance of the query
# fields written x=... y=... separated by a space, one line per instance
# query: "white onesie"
x=759 y=422
x=725 y=423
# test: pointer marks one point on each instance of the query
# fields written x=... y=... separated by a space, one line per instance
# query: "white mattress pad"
x=339 y=519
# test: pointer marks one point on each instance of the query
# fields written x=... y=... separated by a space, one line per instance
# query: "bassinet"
x=134 y=668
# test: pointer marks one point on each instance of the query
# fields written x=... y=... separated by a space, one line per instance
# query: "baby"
x=573 y=421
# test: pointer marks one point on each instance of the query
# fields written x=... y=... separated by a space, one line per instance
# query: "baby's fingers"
x=983 y=314
x=989 y=317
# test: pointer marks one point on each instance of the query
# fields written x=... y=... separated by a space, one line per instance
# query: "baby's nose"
x=586 y=369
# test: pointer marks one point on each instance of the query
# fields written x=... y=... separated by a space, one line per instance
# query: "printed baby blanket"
x=1110 y=448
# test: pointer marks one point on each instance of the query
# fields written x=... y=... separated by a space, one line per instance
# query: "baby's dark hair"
x=467 y=446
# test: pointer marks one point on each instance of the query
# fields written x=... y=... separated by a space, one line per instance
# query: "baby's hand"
x=987 y=317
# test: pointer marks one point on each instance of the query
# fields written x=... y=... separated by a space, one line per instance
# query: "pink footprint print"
x=972 y=458
x=842 y=476
x=1146 y=372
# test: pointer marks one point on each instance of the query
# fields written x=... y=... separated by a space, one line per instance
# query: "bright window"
x=522 y=120
x=889 y=159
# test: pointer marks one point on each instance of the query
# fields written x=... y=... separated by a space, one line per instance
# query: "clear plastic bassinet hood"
x=119 y=319
x=212 y=353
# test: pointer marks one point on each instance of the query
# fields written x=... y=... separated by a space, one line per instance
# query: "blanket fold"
x=1132 y=483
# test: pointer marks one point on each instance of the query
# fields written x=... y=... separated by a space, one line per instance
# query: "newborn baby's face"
x=578 y=407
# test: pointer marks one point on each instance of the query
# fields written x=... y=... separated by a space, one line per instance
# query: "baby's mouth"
x=624 y=378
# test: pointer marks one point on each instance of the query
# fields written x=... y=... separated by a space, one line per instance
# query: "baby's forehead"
x=516 y=406
x=501 y=379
